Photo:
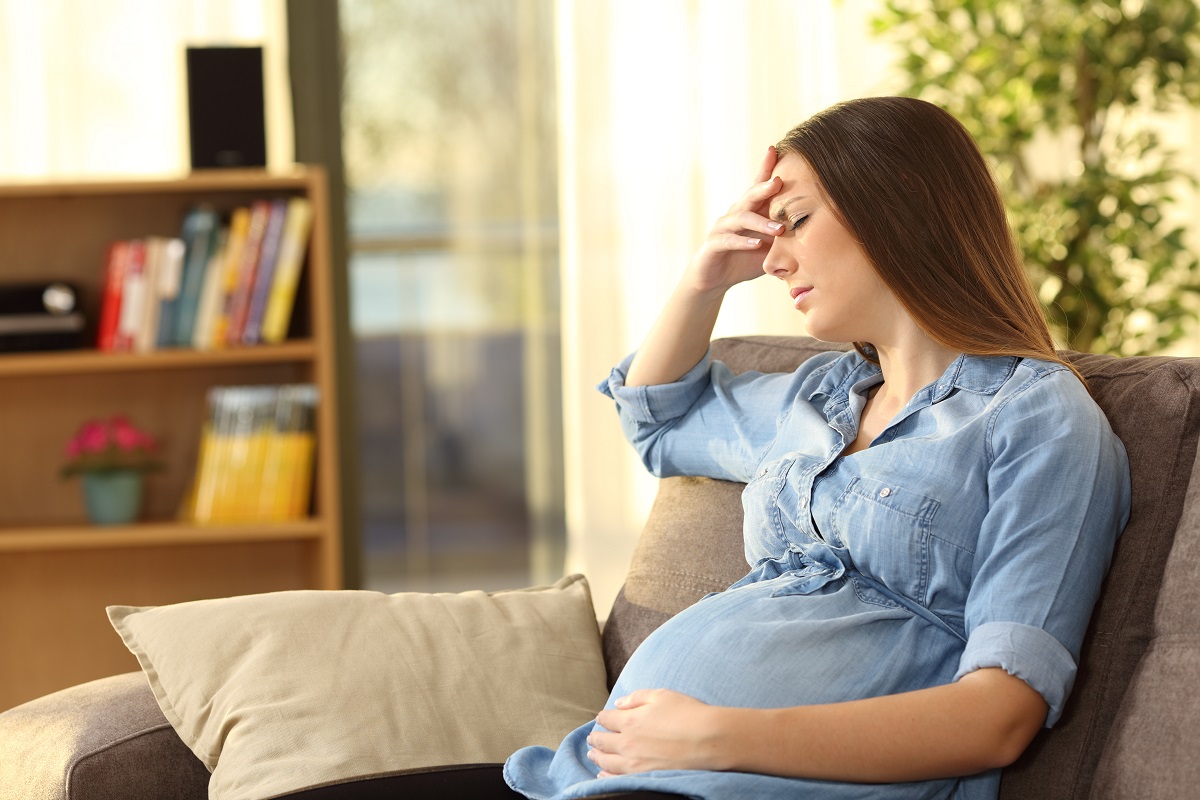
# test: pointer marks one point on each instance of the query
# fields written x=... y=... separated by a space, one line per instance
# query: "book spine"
x=199 y=237
x=133 y=297
x=239 y=226
x=208 y=305
x=269 y=257
x=239 y=303
x=287 y=271
x=110 y=301
x=170 y=277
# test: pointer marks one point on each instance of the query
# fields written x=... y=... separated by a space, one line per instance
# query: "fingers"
x=768 y=165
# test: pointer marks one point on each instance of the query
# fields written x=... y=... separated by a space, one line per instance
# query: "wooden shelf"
x=161 y=534
x=58 y=576
x=201 y=181
x=74 y=362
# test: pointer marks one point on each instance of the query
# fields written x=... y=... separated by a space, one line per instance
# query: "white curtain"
x=98 y=87
x=666 y=108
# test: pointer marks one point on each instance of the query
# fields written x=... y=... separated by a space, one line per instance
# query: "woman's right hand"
x=737 y=245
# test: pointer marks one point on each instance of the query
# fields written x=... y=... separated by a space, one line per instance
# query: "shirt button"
x=884 y=492
x=803 y=503
x=762 y=472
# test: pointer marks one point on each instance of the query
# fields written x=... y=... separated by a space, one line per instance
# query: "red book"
x=133 y=297
x=110 y=299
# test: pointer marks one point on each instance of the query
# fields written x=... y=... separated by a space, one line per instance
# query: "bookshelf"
x=57 y=572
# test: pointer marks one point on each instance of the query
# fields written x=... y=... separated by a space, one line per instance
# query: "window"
x=450 y=154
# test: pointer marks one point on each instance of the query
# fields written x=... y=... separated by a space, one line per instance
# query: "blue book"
x=199 y=236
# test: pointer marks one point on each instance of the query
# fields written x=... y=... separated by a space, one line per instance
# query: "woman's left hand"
x=655 y=729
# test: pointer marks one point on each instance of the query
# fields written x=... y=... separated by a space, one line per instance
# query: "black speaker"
x=226 y=119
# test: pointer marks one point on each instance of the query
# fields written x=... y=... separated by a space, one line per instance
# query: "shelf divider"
x=155 y=534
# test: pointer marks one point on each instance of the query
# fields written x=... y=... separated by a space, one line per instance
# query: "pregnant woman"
x=928 y=517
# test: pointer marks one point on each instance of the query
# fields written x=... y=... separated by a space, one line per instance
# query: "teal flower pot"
x=112 y=498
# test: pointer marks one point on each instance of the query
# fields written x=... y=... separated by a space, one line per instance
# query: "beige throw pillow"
x=291 y=690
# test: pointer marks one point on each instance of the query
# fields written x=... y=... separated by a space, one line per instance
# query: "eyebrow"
x=779 y=212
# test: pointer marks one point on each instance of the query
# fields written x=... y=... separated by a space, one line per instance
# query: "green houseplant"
x=1082 y=78
x=112 y=455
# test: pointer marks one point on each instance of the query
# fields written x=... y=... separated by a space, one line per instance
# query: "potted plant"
x=112 y=456
x=1088 y=79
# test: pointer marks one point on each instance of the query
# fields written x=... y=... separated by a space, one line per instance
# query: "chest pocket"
x=886 y=529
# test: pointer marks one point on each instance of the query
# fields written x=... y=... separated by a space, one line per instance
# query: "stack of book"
x=256 y=455
x=217 y=285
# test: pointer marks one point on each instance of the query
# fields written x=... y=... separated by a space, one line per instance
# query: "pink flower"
x=128 y=438
x=114 y=443
x=92 y=437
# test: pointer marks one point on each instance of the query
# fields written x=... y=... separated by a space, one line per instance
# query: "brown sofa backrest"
x=692 y=545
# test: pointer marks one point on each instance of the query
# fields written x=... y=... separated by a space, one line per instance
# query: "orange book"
x=239 y=226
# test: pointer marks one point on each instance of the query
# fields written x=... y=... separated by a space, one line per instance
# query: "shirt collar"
x=978 y=374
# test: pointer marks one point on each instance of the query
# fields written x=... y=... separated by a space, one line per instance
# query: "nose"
x=778 y=261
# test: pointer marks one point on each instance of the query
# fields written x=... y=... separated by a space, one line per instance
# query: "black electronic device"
x=40 y=316
x=226 y=112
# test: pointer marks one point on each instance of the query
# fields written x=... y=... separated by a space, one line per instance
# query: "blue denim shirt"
x=974 y=532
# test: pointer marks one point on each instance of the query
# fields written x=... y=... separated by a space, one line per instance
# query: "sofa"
x=1130 y=729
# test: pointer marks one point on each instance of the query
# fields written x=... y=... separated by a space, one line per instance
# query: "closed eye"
x=796 y=223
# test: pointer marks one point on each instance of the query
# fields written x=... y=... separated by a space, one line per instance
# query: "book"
x=208 y=306
x=243 y=287
x=170 y=276
x=199 y=235
x=265 y=274
x=145 y=333
x=239 y=226
x=256 y=455
x=133 y=297
x=110 y=296
x=292 y=248
x=160 y=279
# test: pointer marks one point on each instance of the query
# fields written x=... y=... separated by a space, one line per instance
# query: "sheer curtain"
x=99 y=88
x=665 y=111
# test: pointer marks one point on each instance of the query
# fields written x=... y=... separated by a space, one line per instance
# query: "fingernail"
x=752 y=243
x=775 y=226
x=621 y=701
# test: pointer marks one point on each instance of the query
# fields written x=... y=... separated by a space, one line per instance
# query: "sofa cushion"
x=286 y=691
x=1150 y=404
x=1151 y=752
x=102 y=740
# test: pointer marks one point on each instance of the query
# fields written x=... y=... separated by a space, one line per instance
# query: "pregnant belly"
x=759 y=646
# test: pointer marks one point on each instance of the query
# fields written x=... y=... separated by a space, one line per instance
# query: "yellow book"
x=199 y=507
x=298 y=477
x=272 y=489
x=239 y=228
x=292 y=247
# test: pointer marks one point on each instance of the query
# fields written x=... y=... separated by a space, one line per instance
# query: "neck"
x=909 y=366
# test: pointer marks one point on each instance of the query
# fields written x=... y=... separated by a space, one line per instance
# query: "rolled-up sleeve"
x=1058 y=489
x=711 y=422
x=652 y=405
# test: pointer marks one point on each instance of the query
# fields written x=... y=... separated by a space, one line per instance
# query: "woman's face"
x=829 y=277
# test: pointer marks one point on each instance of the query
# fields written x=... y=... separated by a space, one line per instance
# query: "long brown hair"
x=908 y=181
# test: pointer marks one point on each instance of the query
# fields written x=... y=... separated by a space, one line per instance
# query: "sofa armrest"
x=104 y=740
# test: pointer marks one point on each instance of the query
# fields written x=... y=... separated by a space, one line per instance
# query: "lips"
x=799 y=293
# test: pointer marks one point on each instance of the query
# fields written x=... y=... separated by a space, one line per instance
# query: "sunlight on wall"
x=666 y=110
x=99 y=88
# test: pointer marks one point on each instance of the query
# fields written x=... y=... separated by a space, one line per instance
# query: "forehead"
x=799 y=181
x=794 y=170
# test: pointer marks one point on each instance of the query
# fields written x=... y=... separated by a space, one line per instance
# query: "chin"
x=827 y=333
